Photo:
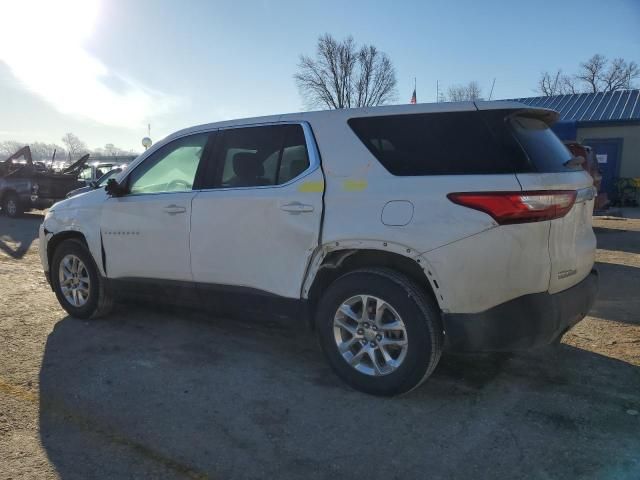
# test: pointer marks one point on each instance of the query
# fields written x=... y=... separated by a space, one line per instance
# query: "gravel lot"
x=160 y=393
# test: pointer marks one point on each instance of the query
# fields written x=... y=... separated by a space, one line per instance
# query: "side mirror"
x=93 y=184
x=114 y=189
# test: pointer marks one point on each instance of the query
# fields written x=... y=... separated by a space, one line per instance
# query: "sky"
x=105 y=69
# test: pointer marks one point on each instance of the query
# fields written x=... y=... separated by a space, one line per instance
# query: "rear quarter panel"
x=475 y=264
x=484 y=270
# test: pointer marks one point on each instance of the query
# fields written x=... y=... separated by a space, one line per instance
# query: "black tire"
x=11 y=205
x=421 y=317
x=100 y=301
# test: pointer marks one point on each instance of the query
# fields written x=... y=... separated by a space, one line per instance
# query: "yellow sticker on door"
x=354 y=185
x=312 y=186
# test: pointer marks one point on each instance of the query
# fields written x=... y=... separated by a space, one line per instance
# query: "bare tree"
x=595 y=75
x=456 y=93
x=8 y=148
x=602 y=75
x=342 y=75
x=75 y=146
x=556 y=84
x=549 y=83
x=44 y=151
x=474 y=92
x=111 y=150
x=568 y=85
x=591 y=71
x=619 y=75
x=462 y=93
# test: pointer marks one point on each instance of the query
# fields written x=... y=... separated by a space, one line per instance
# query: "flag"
x=413 y=97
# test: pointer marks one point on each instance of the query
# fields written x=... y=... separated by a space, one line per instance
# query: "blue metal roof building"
x=609 y=122
x=618 y=106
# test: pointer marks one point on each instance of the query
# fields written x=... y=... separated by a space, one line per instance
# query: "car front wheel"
x=379 y=331
x=77 y=283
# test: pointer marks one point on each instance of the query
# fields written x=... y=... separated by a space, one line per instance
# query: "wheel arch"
x=329 y=263
x=55 y=241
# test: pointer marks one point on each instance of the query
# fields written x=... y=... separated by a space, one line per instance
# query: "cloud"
x=46 y=55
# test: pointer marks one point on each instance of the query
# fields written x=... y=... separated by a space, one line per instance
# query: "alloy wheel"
x=370 y=335
x=75 y=283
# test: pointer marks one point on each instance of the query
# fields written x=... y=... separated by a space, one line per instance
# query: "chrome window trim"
x=312 y=151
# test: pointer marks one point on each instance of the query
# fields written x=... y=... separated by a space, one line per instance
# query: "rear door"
x=257 y=222
x=572 y=242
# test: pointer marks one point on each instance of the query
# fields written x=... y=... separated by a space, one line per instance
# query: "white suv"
x=398 y=231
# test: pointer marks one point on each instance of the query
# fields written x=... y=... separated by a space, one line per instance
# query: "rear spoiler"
x=547 y=115
x=74 y=167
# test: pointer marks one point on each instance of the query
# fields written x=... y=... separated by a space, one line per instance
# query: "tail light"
x=518 y=207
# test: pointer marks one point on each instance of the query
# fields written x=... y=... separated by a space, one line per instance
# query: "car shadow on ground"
x=17 y=234
x=172 y=394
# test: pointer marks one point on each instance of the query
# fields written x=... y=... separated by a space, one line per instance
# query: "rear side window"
x=437 y=144
x=261 y=156
x=545 y=150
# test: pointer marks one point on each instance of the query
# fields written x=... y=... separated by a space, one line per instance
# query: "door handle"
x=296 y=207
x=174 y=209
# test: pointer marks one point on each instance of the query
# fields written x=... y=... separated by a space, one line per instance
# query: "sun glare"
x=42 y=42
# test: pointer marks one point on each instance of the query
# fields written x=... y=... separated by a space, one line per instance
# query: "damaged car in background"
x=100 y=182
x=27 y=185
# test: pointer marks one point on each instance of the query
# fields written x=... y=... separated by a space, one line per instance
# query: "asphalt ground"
x=155 y=392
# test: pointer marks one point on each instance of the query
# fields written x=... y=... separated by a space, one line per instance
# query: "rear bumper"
x=525 y=322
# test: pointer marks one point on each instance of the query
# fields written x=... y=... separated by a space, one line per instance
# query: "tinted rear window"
x=440 y=144
x=545 y=150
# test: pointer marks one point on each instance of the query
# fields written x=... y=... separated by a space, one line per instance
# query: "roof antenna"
x=492 y=85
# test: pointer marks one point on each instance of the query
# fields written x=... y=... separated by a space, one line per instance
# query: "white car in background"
x=400 y=231
x=94 y=171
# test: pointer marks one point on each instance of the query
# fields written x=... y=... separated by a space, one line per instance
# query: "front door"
x=257 y=223
x=145 y=233
x=607 y=152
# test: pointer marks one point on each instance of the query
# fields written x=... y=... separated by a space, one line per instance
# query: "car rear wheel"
x=77 y=283
x=379 y=331
x=11 y=205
